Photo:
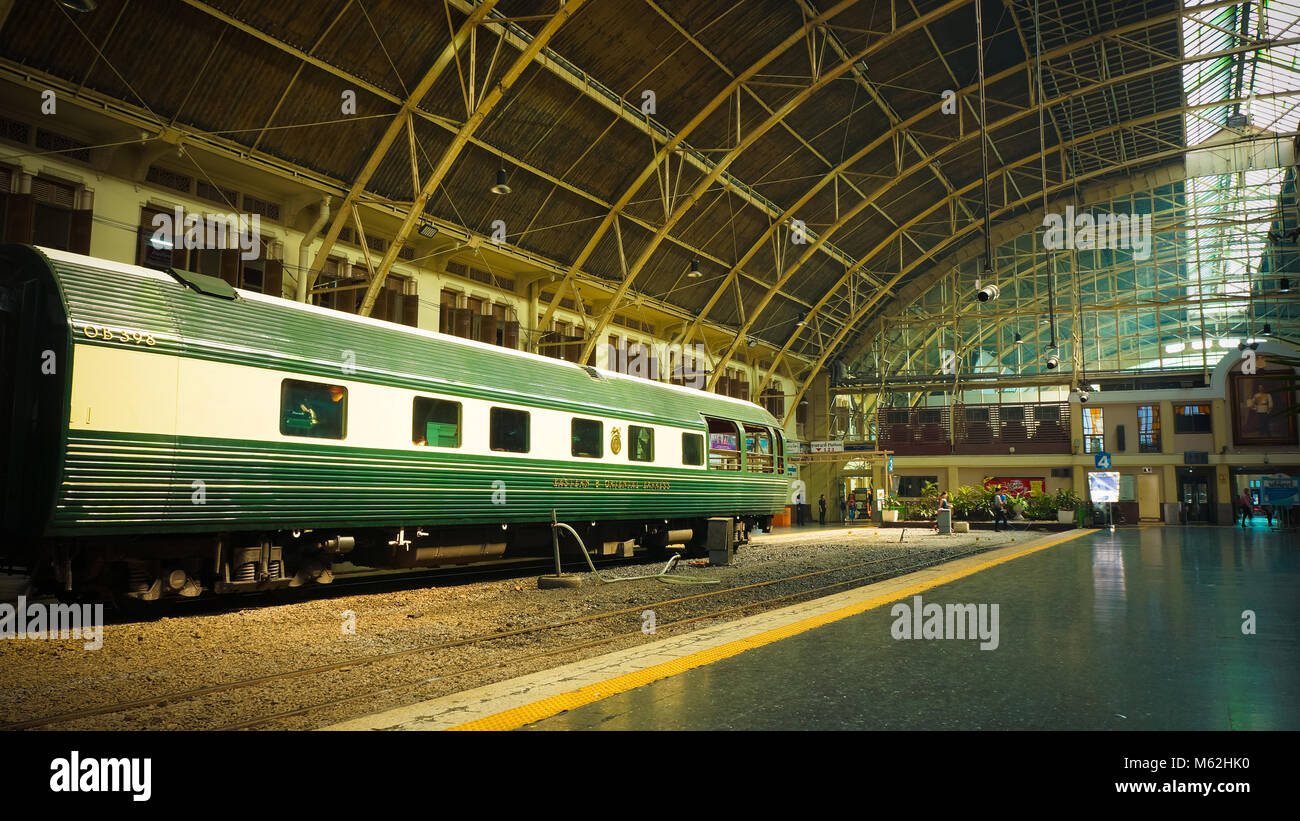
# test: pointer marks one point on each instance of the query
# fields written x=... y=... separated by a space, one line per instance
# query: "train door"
x=11 y=303
x=35 y=361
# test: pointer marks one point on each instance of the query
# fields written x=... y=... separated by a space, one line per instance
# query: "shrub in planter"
x=976 y=501
x=965 y=501
x=1067 y=500
x=929 y=503
x=1041 y=506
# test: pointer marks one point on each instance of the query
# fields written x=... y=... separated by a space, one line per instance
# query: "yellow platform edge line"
x=553 y=705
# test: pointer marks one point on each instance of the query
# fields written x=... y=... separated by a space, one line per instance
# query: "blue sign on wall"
x=890 y=467
x=1102 y=461
x=1280 y=491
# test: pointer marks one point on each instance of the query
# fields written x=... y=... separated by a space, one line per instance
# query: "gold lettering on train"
x=111 y=335
x=612 y=484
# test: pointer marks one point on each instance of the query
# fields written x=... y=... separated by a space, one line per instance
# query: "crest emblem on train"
x=615 y=442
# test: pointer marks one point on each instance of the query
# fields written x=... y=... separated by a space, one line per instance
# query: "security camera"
x=986 y=293
x=1083 y=397
x=1052 y=361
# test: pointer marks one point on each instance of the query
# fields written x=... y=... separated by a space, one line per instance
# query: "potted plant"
x=1067 y=501
x=890 y=512
x=1016 y=505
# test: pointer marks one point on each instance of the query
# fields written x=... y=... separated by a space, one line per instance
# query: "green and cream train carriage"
x=168 y=434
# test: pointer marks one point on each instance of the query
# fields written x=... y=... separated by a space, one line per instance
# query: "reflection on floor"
x=1148 y=628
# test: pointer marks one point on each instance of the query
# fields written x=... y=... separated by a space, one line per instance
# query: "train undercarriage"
x=133 y=570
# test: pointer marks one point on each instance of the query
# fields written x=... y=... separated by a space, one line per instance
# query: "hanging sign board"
x=829 y=446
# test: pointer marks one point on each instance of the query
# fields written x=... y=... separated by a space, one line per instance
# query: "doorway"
x=1194 y=494
x=1148 y=497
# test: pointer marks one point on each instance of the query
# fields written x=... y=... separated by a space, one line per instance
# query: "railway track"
x=347 y=583
x=381 y=658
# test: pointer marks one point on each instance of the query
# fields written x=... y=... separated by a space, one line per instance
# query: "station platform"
x=1150 y=628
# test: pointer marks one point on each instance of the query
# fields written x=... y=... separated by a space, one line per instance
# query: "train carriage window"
x=435 y=422
x=640 y=443
x=313 y=409
x=692 y=449
x=758 y=449
x=724 y=445
x=508 y=430
x=588 y=438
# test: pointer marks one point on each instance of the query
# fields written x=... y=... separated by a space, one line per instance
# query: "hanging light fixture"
x=695 y=270
x=1283 y=285
x=502 y=187
x=1020 y=340
x=1267 y=329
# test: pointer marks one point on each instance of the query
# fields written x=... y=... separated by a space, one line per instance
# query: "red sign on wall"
x=1015 y=485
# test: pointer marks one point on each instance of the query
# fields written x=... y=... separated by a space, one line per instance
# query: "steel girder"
x=970 y=228
x=660 y=157
x=912 y=170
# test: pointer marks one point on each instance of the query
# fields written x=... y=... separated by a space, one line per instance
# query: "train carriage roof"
x=269 y=332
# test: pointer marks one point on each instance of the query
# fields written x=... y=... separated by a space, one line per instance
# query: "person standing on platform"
x=1246 y=504
x=853 y=506
x=844 y=509
x=999 y=506
x=821 y=510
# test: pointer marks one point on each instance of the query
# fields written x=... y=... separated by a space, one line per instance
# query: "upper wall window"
x=641 y=443
x=1149 y=428
x=508 y=430
x=588 y=437
x=1192 y=419
x=313 y=409
x=1094 y=429
x=435 y=422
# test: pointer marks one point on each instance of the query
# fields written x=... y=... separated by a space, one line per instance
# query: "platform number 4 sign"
x=1103 y=461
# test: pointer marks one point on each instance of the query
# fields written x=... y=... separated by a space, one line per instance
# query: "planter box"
x=1065 y=517
x=889 y=515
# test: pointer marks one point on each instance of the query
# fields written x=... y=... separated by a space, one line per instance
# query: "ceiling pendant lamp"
x=502 y=187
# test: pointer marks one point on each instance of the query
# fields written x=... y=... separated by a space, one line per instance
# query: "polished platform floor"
x=1137 y=630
